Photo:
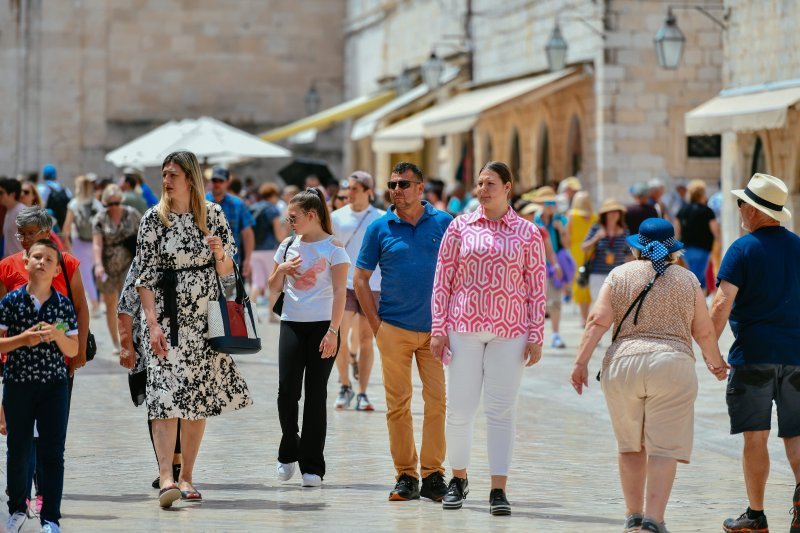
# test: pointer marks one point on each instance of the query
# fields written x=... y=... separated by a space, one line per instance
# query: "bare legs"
x=755 y=463
x=343 y=357
x=637 y=471
x=164 y=432
x=110 y=300
x=366 y=353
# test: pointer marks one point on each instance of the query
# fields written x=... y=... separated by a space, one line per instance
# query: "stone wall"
x=89 y=75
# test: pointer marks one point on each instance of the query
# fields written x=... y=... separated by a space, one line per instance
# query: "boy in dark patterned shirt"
x=38 y=328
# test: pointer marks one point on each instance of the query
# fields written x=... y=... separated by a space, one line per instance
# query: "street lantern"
x=312 y=100
x=403 y=82
x=669 y=43
x=432 y=71
x=556 y=50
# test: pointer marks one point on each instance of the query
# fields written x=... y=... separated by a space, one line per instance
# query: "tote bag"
x=231 y=324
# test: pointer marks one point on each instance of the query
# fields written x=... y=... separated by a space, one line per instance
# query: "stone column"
x=730 y=173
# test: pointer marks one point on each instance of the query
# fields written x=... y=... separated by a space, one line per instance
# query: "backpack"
x=263 y=226
x=84 y=213
x=57 y=202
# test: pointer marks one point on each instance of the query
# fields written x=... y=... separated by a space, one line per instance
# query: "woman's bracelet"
x=220 y=260
x=334 y=331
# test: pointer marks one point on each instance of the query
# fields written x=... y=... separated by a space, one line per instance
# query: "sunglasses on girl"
x=403 y=184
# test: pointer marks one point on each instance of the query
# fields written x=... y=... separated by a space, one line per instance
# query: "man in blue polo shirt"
x=405 y=244
x=238 y=216
x=759 y=289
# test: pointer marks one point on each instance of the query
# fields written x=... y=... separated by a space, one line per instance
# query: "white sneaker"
x=15 y=522
x=312 y=480
x=285 y=471
x=50 y=527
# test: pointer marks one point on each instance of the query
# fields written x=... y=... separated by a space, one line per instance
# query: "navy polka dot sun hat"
x=656 y=240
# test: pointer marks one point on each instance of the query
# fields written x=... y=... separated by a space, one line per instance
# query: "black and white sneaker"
x=498 y=504
x=457 y=491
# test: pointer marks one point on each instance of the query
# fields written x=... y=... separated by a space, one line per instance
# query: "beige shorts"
x=650 y=400
x=553 y=297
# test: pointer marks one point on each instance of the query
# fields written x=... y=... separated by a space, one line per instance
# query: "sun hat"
x=768 y=194
x=656 y=240
x=541 y=195
x=529 y=209
x=571 y=183
x=611 y=204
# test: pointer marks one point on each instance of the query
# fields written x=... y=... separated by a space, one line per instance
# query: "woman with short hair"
x=647 y=375
x=113 y=247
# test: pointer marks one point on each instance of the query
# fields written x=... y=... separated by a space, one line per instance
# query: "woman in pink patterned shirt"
x=488 y=323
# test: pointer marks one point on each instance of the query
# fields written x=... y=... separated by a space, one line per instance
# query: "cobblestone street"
x=564 y=476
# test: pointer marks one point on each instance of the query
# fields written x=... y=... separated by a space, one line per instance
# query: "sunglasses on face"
x=290 y=219
x=26 y=191
x=342 y=197
x=217 y=180
x=403 y=184
x=739 y=203
x=112 y=204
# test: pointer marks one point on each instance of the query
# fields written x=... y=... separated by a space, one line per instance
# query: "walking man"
x=239 y=218
x=759 y=290
x=405 y=244
x=349 y=226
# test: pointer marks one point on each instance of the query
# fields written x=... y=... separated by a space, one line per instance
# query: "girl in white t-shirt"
x=311 y=270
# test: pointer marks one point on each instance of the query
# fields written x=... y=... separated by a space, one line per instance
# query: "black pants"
x=298 y=353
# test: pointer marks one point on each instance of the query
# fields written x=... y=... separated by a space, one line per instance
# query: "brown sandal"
x=168 y=495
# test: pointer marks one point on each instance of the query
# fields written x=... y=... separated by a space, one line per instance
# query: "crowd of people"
x=459 y=284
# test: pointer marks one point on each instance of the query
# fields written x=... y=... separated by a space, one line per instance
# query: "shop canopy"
x=333 y=115
x=763 y=110
x=460 y=113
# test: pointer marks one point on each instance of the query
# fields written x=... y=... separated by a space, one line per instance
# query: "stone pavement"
x=564 y=476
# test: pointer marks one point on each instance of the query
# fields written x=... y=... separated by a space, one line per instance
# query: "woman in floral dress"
x=112 y=259
x=184 y=243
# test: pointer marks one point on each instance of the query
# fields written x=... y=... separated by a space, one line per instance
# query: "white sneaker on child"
x=285 y=471
x=312 y=480
x=15 y=521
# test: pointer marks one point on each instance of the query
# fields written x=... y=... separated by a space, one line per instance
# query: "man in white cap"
x=759 y=290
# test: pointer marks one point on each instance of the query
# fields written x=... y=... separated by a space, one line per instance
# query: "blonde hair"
x=84 y=189
x=197 y=200
x=582 y=201
x=695 y=191
x=112 y=191
x=36 y=200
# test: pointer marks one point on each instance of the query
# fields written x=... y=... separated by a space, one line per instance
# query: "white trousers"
x=483 y=360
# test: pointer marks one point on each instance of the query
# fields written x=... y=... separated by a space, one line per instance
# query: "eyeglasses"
x=403 y=184
x=550 y=203
x=28 y=236
x=218 y=180
x=112 y=204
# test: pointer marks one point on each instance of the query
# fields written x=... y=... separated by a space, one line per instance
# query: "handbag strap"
x=356 y=230
x=66 y=278
x=636 y=303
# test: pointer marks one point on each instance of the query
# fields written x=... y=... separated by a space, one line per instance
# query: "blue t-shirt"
x=43 y=363
x=407 y=255
x=765 y=317
x=238 y=216
x=555 y=237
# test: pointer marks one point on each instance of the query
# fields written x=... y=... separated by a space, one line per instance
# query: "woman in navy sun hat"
x=648 y=373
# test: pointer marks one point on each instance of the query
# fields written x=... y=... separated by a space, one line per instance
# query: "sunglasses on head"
x=403 y=184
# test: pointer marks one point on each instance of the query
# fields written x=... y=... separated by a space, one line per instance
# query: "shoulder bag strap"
x=357 y=228
x=66 y=278
x=636 y=303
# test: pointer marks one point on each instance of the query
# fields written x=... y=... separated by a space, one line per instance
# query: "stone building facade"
x=622 y=123
x=83 y=77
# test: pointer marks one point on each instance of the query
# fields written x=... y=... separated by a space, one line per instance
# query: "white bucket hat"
x=768 y=194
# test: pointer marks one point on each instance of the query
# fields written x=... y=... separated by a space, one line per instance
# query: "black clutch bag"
x=137 y=383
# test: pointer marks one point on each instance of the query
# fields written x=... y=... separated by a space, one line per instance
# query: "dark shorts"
x=351 y=303
x=751 y=391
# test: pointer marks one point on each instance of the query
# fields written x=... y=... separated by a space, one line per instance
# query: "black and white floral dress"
x=194 y=381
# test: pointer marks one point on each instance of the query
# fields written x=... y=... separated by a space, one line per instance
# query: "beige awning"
x=764 y=110
x=460 y=113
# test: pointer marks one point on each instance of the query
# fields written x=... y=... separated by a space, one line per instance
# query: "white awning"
x=764 y=110
x=366 y=125
x=460 y=114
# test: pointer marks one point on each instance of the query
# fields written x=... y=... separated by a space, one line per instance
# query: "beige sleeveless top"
x=665 y=319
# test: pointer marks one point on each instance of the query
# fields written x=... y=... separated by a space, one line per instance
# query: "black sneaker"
x=633 y=523
x=745 y=524
x=457 y=492
x=795 y=512
x=406 y=488
x=498 y=504
x=433 y=487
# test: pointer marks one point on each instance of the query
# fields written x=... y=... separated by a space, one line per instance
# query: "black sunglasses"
x=403 y=184
x=739 y=202
x=342 y=197
x=112 y=204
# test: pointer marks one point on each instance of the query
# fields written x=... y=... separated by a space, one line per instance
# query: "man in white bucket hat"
x=759 y=291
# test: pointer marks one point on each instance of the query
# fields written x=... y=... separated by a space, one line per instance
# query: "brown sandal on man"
x=168 y=495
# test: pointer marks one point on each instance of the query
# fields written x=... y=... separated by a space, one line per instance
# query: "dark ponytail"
x=313 y=200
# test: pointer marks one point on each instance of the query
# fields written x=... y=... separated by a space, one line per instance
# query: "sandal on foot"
x=191 y=496
x=168 y=495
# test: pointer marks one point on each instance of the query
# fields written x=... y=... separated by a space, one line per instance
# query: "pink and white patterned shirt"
x=490 y=276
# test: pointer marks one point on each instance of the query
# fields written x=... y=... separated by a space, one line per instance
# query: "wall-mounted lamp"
x=432 y=70
x=669 y=39
x=312 y=100
x=556 y=47
x=403 y=82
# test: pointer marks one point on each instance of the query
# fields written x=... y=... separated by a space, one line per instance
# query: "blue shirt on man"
x=407 y=255
x=238 y=216
x=43 y=363
x=765 y=317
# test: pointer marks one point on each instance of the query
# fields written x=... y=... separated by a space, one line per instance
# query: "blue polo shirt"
x=407 y=255
x=765 y=317
x=238 y=216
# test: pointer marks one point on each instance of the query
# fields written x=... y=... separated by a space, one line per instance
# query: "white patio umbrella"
x=211 y=140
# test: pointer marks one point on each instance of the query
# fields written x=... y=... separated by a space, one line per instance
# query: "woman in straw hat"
x=605 y=244
x=648 y=373
x=580 y=219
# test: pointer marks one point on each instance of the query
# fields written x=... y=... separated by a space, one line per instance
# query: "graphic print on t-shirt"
x=308 y=279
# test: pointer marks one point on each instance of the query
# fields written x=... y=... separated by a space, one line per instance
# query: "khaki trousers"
x=397 y=347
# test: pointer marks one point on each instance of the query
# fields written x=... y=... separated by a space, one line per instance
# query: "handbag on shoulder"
x=278 y=307
x=231 y=324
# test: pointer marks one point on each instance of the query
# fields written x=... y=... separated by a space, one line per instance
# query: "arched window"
x=487 y=149
x=543 y=157
x=759 y=162
x=574 y=151
x=514 y=159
